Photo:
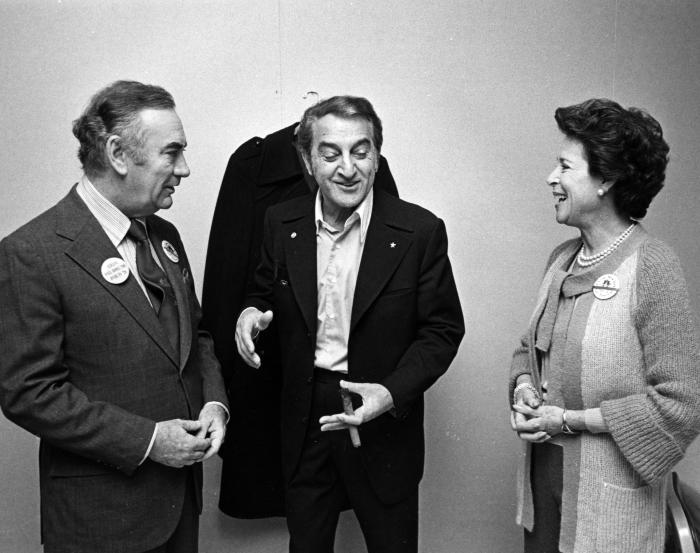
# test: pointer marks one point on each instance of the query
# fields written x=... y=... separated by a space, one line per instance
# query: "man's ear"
x=117 y=154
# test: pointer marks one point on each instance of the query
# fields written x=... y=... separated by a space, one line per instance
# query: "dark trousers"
x=330 y=476
x=185 y=538
x=546 y=469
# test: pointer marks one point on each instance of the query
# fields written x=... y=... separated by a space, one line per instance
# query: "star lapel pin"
x=392 y=245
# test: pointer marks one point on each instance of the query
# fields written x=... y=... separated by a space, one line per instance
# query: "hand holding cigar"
x=348 y=409
x=376 y=400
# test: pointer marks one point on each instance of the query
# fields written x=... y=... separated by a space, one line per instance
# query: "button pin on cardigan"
x=606 y=287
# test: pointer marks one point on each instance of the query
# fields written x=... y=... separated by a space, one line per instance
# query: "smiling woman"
x=604 y=384
x=575 y=190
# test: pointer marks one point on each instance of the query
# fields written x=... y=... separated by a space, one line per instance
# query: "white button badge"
x=606 y=287
x=170 y=251
x=115 y=270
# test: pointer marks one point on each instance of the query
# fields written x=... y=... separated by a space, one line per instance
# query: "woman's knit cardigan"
x=636 y=357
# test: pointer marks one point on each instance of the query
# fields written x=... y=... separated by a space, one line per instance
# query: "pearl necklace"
x=588 y=260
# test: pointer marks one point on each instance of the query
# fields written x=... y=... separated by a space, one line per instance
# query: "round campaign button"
x=606 y=287
x=115 y=270
x=170 y=251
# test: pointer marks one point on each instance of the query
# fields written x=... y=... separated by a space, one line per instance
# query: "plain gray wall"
x=466 y=91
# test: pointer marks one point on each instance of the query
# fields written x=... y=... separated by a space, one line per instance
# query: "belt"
x=324 y=375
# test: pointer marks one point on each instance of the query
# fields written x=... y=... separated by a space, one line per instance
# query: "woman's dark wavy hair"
x=114 y=110
x=625 y=146
x=348 y=107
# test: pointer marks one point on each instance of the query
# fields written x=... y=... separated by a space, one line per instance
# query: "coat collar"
x=280 y=160
x=89 y=247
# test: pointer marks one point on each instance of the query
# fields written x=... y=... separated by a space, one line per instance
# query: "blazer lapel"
x=174 y=271
x=89 y=248
x=299 y=241
x=385 y=245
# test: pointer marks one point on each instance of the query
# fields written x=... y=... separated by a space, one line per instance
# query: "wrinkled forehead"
x=342 y=131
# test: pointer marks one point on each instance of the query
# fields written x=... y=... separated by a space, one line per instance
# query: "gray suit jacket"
x=87 y=367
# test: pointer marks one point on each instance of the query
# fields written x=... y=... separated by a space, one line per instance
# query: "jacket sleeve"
x=35 y=388
x=519 y=365
x=440 y=326
x=653 y=429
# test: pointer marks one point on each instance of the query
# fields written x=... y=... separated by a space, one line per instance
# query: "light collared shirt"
x=338 y=256
x=116 y=226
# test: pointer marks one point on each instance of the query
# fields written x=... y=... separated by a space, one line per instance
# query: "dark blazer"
x=405 y=328
x=259 y=174
x=88 y=368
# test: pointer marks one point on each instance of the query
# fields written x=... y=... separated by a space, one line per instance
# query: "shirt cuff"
x=228 y=415
x=150 y=445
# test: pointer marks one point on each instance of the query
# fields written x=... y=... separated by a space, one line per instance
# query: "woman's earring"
x=601 y=192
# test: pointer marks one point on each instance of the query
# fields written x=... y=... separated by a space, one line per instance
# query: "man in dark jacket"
x=260 y=173
x=362 y=292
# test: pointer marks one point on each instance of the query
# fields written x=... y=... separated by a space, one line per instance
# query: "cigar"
x=348 y=409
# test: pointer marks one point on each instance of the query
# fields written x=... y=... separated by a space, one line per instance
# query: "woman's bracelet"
x=522 y=386
x=565 y=428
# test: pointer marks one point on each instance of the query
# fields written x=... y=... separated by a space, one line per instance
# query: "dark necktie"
x=160 y=292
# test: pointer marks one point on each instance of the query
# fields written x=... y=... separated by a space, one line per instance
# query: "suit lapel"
x=173 y=269
x=89 y=248
x=299 y=240
x=385 y=245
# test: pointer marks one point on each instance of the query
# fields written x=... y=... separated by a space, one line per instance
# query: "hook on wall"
x=312 y=96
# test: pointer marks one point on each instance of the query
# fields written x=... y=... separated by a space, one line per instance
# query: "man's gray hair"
x=114 y=110
x=348 y=107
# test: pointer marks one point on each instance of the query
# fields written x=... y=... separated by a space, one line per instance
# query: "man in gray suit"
x=101 y=353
